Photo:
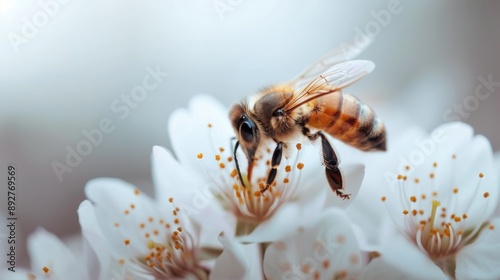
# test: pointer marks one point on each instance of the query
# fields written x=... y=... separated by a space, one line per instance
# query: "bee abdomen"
x=346 y=118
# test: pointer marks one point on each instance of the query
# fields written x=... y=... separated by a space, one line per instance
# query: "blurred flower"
x=326 y=248
x=442 y=200
x=201 y=137
x=50 y=259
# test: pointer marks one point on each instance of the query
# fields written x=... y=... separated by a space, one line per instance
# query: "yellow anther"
x=234 y=173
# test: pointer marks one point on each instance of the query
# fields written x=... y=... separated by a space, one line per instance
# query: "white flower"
x=150 y=239
x=441 y=198
x=325 y=248
x=50 y=259
x=158 y=239
x=201 y=137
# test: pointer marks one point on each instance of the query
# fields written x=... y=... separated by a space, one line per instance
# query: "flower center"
x=247 y=201
x=439 y=227
x=166 y=249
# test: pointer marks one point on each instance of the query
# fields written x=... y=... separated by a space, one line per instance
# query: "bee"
x=311 y=105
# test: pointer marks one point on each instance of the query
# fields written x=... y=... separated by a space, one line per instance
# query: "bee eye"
x=247 y=131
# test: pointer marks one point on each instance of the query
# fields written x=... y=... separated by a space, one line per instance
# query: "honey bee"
x=311 y=104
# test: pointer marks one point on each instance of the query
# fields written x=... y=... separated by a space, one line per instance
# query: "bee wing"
x=344 y=52
x=334 y=79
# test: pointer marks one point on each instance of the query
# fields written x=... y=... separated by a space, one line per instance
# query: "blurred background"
x=67 y=66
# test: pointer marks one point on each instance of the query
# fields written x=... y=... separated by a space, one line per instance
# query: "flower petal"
x=96 y=248
x=120 y=209
x=380 y=268
x=454 y=135
x=477 y=158
x=353 y=177
x=202 y=128
x=237 y=261
x=277 y=226
x=401 y=259
x=324 y=247
x=46 y=250
x=191 y=195
x=367 y=211
x=170 y=178
x=481 y=260
x=18 y=274
x=497 y=165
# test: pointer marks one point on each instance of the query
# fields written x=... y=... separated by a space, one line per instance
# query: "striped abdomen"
x=346 y=118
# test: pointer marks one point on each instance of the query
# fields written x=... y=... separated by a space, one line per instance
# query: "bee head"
x=246 y=131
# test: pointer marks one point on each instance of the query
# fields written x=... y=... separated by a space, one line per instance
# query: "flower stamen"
x=435 y=205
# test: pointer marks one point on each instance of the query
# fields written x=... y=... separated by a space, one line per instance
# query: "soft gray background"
x=91 y=52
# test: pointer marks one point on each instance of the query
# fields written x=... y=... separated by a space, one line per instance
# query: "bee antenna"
x=237 y=164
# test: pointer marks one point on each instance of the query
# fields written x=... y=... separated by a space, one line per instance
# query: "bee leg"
x=237 y=165
x=332 y=171
x=275 y=162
